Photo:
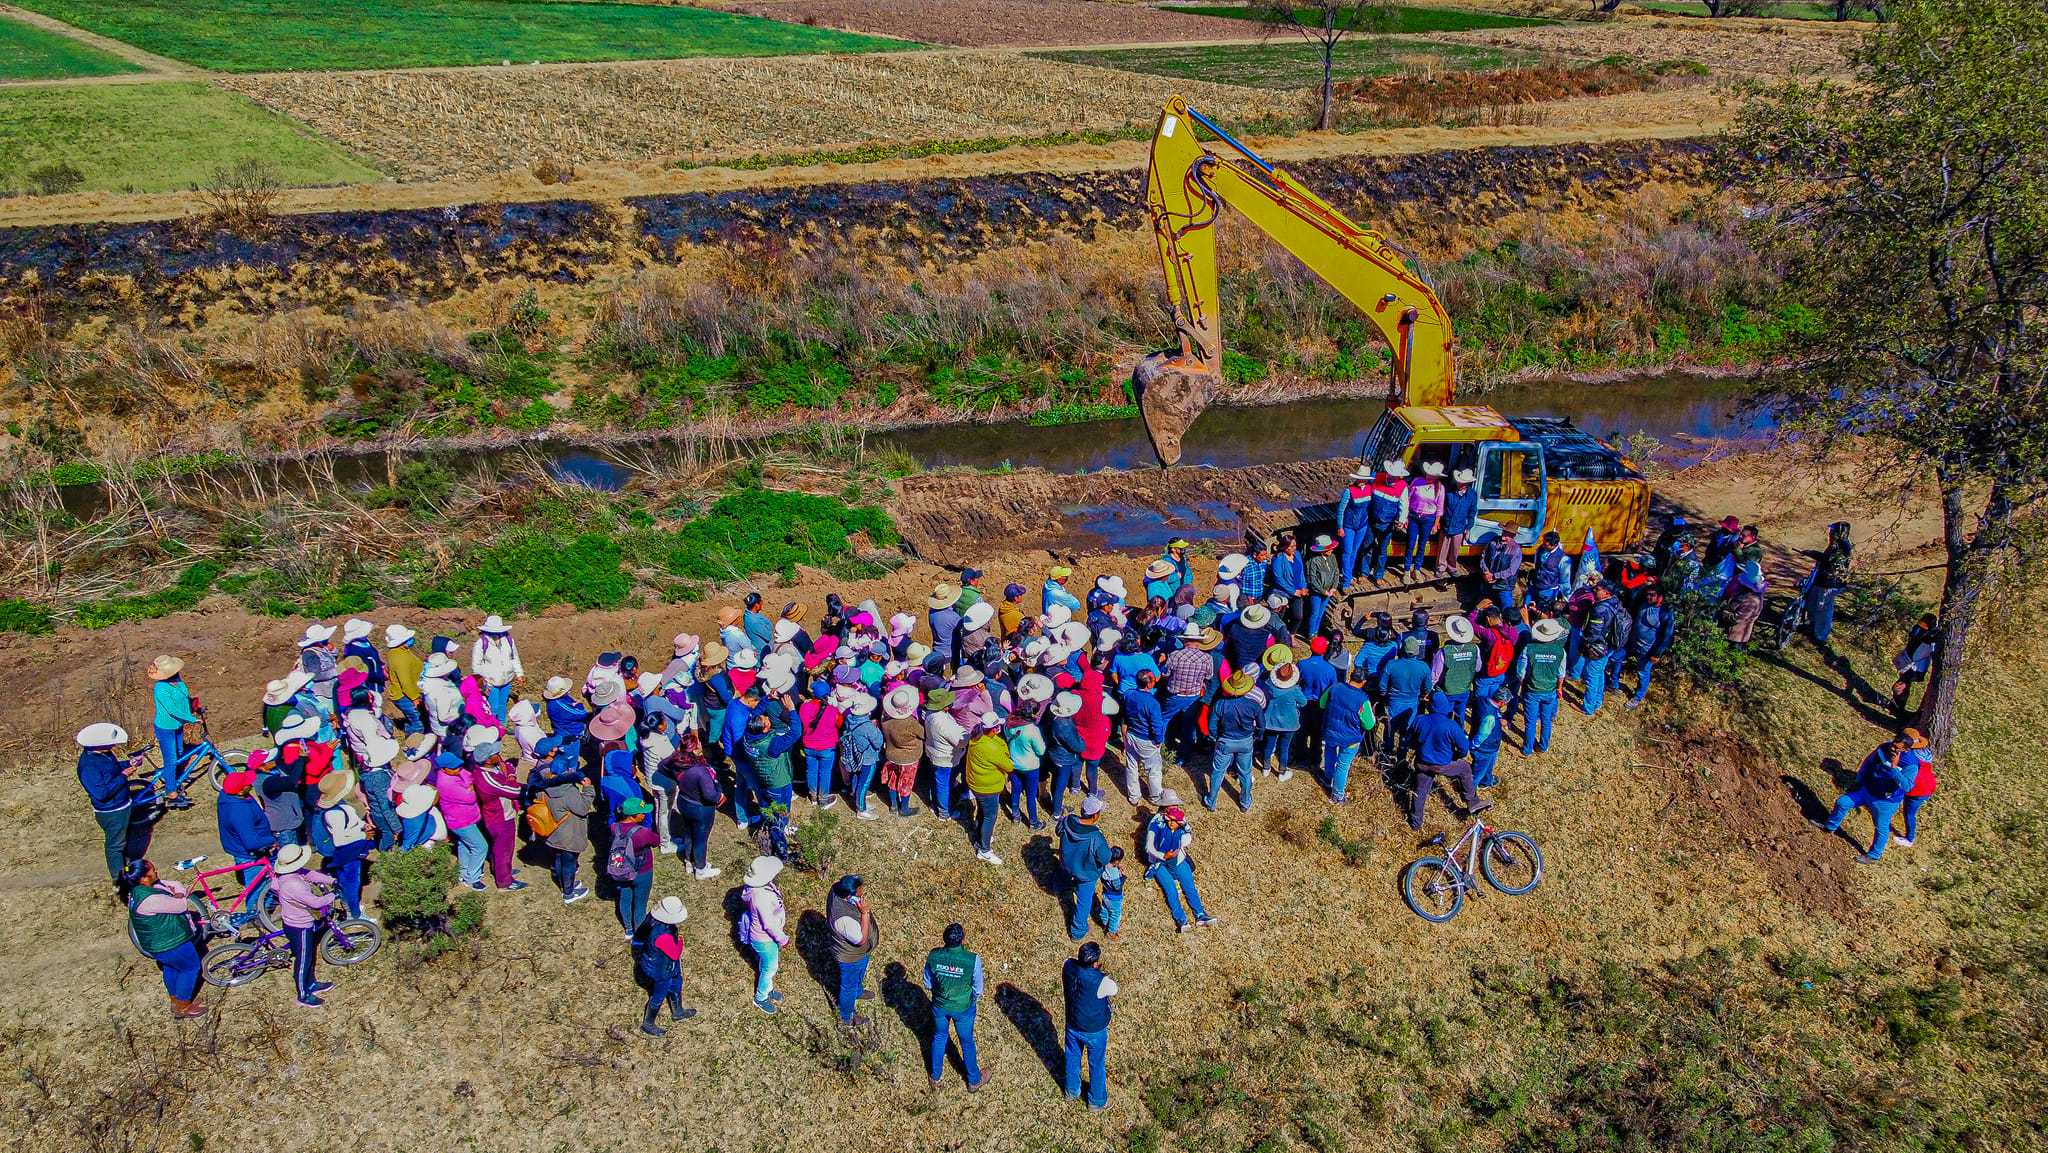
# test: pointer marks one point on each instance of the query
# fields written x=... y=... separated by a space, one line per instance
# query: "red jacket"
x=1091 y=722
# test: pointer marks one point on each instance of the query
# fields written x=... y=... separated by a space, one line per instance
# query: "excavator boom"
x=1186 y=187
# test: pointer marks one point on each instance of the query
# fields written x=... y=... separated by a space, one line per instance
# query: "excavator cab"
x=1474 y=438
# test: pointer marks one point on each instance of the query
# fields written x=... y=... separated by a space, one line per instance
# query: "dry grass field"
x=1770 y=48
x=471 y=123
x=1002 y=23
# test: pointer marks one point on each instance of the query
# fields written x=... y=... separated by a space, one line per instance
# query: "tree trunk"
x=1962 y=589
x=1328 y=120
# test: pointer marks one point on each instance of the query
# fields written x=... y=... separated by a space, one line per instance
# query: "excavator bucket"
x=1172 y=392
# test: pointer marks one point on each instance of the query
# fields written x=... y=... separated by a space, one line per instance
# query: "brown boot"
x=191 y=1008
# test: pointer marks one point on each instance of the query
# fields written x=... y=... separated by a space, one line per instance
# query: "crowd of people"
x=1039 y=707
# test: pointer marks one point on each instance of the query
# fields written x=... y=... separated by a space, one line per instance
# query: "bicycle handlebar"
x=190 y=863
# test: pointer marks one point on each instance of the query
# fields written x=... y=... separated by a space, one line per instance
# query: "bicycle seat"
x=190 y=863
x=1436 y=842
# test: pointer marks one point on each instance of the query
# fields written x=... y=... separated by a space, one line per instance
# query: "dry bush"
x=243 y=196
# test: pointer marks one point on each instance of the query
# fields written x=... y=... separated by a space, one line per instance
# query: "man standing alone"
x=953 y=977
x=1088 y=991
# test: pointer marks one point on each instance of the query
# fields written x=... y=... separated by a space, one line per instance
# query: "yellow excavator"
x=1534 y=473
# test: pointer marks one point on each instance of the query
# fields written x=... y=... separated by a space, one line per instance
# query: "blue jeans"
x=1180 y=713
x=1176 y=879
x=181 y=971
x=1023 y=793
x=1541 y=709
x=1382 y=540
x=942 y=788
x=1094 y=1047
x=409 y=715
x=1401 y=713
x=986 y=808
x=1503 y=593
x=1644 y=667
x=1337 y=766
x=171 y=743
x=1461 y=705
x=1482 y=767
x=770 y=955
x=1064 y=777
x=1231 y=754
x=748 y=795
x=632 y=900
x=1348 y=547
x=818 y=772
x=499 y=697
x=115 y=830
x=1420 y=529
x=863 y=779
x=1912 y=809
x=383 y=814
x=1084 y=900
x=1276 y=744
x=1820 y=611
x=1880 y=816
x=1317 y=605
x=1112 y=914
x=470 y=848
x=853 y=977
x=563 y=870
x=961 y=1023
x=1596 y=684
x=664 y=988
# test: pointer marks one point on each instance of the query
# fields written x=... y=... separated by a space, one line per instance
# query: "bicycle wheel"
x=264 y=902
x=1512 y=863
x=351 y=942
x=221 y=764
x=1432 y=889
x=232 y=965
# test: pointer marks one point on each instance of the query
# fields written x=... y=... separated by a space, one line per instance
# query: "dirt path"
x=157 y=67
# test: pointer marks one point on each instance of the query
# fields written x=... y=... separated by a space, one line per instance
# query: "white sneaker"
x=1286 y=774
x=867 y=815
x=668 y=850
x=989 y=856
x=1906 y=841
x=707 y=874
x=830 y=800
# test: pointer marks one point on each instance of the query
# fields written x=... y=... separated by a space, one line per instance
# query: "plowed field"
x=470 y=124
x=1003 y=23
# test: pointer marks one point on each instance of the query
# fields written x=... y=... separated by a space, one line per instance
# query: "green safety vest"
x=1461 y=667
x=158 y=932
x=952 y=971
x=1546 y=666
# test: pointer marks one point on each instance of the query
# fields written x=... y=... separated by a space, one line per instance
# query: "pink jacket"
x=765 y=919
x=1425 y=497
x=820 y=724
x=458 y=798
x=479 y=709
x=299 y=904
x=497 y=793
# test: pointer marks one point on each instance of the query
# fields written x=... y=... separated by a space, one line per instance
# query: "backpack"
x=621 y=863
x=322 y=836
x=542 y=819
x=1500 y=655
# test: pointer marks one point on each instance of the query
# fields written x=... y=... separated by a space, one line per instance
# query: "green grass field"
x=290 y=35
x=1791 y=11
x=1285 y=63
x=158 y=137
x=1405 y=19
x=29 y=53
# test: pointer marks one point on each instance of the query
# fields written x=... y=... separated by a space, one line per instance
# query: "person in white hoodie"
x=945 y=748
x=494 y=660
x=439 y=693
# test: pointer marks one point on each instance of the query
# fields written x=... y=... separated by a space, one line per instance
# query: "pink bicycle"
x=238 y=903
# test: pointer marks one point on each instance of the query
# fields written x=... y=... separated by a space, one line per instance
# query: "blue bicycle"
x=199 y=759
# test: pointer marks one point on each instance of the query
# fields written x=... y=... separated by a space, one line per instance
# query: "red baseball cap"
x=1319 y=645
x=237 y=781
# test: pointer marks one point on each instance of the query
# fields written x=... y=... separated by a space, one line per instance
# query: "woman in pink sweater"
x=764 y=924
x=1425 y=504
x=456 y=782
x=497 y=794
x=820 y=721
x=303 y=896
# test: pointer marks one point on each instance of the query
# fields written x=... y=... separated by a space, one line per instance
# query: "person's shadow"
x=914 y=1008
x=1811 y=805
x=1035 y=1024
x=814 y=942
x=1043 y=863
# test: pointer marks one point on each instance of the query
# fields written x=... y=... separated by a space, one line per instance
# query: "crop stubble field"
x=470 y=124
x=1003 y=23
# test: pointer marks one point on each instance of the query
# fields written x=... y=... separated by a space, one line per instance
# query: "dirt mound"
x=1743 y=800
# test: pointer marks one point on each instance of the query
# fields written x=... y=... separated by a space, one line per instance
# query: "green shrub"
x=415 y=889
x=758 y=531
x=1700 y=647
x=192 y=586
x=528 y=571
x=418 y=486
x=20 y=616
x=816 y=843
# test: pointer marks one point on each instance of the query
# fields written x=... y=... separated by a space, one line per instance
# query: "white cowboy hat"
x=863 y=705
x=416 y=800
x=1035 y=687
x=1106 y=640
x=557 y=687
x=1362 y=473
x=967 y=678
x=916 y=653
x=298 y=727
x=943 y=597
x=286 y=687
x=841 y=697
x=440 y=665
x=1113 y=585
x=356 y=628
x=291 y=859
x=315 y=633
x=1066 y=704
x=745 y=659
x=1111 y=706
x=685 y=644
x=1432 y=468
x=1547 y=629
x=1072 y=635
x=493 y=624
x=762 y=871
x=336 y=785
x=901 y=702
x=1256 y=616
x=1458 y=629
x=1054 y=656
x=1393 y=468
x=104 y=735
x=1055 y=616
x=421 y=745
x=1160 y=569
x=647 y=683
x=1228 y=568
x=1465 y=476
x=606 y=692
x=396 y=635
x=476 y=736
x=778 y=681
x=669 y=911
x=785 y=631
x=978 y=615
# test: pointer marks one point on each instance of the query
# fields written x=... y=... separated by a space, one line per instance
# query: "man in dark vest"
x=953 y=976
x=1088 y=991
x=1457 y=665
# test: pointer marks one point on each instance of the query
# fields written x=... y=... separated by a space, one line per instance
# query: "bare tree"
x=1325 y=23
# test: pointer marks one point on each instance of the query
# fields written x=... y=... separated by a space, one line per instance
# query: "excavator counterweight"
x=1186 y=188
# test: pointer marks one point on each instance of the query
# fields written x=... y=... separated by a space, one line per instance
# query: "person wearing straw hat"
x=1167 y=839
x=658 y=954
x=1162 y=580
x=943 y=617
x=105 y=777
x=1425 y=504
x=442 y=697
x=339 y=834
x=371 y=743
x=860 y=750
x=1458 y=662
x=280 y=699
x=732 y=631
x=903 y=747
x=1280 y=720
x=402 y=667
x=317 y=657
x=1325 y=576
x=1065 y=748
x=1386 y=514
x=158 y=916
x=1539 y=669
x=1054 y=591
x=175 y=708
x=1461 y=508
x=1234 y=722
x=358 y=649
x=420 y=819
x=303 y=899
x=764 y=927
x=494 y=660
x=1249 y=636
x=976 y=627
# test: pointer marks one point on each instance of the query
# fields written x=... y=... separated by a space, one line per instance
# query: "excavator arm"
x=1186 y=187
